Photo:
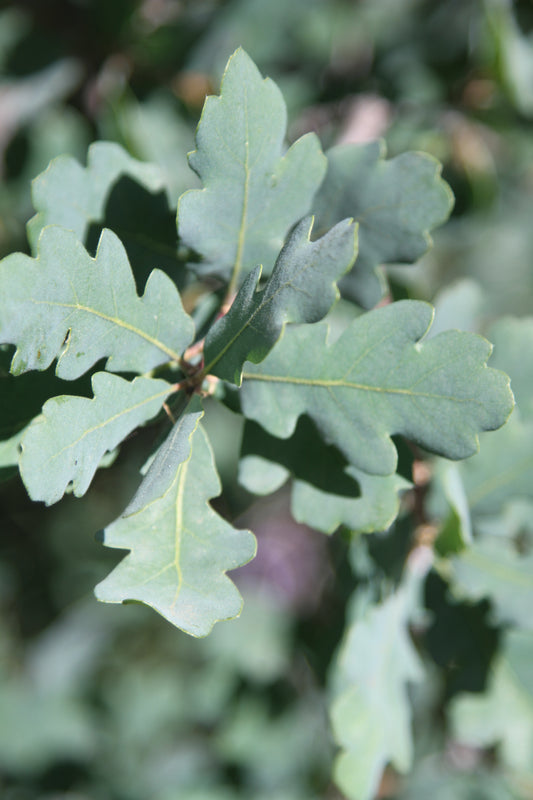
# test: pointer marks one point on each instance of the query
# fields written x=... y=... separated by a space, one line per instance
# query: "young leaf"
x=302 y=288
x=371 y=713
x=376 y=380
x=396 y=202
x=253 y=192
x=71 y=196
x=67 y=442
x=66 y=305
x=179 y=547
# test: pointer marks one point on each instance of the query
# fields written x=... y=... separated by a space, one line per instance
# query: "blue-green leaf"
x=253 y=191
x=64 y=304
x=180 y=549
x=67 y=442
x=396 y=202
x=302 y=288
x=379 y=379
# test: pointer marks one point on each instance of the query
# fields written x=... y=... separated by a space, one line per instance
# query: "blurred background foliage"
x=104 y=703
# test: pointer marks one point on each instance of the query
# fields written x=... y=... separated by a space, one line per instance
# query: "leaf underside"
x=66 y=305
x=254 y=191
x=377 y=380
x=180 y=549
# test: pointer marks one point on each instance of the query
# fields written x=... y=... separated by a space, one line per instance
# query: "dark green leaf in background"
x=304 y=456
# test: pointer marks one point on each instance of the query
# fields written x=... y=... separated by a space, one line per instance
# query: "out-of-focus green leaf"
x=290 y=743
x=404 y=196
x=437 y=778
x=38 y=727
x=457 y=530
x=371 y=714
x=23 y=99
x=514 y=523
x=253 y=191
x=66 y=444
x=503 y=470
x=243 y=23
x=9 y=456
x=302 y=288
x=459 y=306
x=493 y=569
x=503 y=716
x=159 y=135
x=376 y=380
x=515 y=54
x=180 y=549
x=257 y=645
x=502 y=473
x=66 y=305
x=513 y=352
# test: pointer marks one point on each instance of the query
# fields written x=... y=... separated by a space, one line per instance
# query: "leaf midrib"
x=246 y=191
x=264 y=302
x=329 y=383
x=109 y=421
x=121 y=323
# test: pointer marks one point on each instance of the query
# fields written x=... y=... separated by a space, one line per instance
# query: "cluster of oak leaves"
x=264 y=276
